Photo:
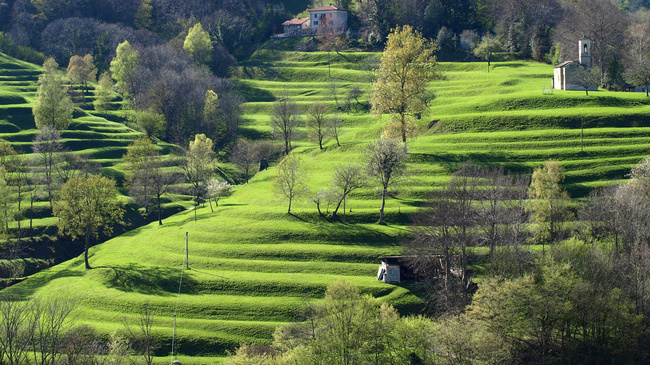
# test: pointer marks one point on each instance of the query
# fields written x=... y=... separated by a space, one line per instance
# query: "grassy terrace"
x=251 y=264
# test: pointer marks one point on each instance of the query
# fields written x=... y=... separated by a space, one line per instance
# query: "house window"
x=586 y=49
x=315 y=22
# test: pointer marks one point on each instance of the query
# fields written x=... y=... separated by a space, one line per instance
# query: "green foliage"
x=198 y=44
x=103 y=93
x=213 y=118
x=123 y=67
x=52 y=106
x=402 y=79
x=9 y=47
x=548 y=202
x=86 y=206
x=143 y=17
x=151 y=123
x=488 y=45
x=82 y=70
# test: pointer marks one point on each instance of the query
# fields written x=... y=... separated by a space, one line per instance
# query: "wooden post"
x=187 y=251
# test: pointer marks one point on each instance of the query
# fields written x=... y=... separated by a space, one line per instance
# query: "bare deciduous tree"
x=47 y=147
x=316 y=122
x=48 y=322
x=245 y=155
x=334 y=125
x=290 y=180
x=142 y=336
x=346 y=179
x=285 y=120
x=14 y=331
x=386 y=159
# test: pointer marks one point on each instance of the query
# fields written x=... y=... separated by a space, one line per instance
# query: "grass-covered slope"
x=251 y=264
x=101 y=137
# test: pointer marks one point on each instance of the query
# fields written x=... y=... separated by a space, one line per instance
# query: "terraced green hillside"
x=102 y=138
x=251 y=264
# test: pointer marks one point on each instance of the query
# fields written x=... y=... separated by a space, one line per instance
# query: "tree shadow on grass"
x=152 y=280
x=32 y=284
x=452 y=162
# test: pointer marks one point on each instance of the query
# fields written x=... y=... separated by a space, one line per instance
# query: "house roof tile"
x=328 y=7
x=295 y=21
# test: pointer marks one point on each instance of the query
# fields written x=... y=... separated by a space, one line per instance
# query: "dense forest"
x=172 y=80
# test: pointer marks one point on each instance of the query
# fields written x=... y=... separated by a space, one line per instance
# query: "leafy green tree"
x=123 y=68
x=386 y=160
x=198 y=44
x=290 y=180
x=53 y=106
x=407 y=66
x=103 y=93
x=87 y=206
x=486 y=47
x=143 y=18
x=151 y=123
x=214 y=121
x=199 y=165
x=81 y=70
x=548 y=201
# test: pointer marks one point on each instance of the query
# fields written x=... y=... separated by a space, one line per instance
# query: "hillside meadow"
x=251 y=265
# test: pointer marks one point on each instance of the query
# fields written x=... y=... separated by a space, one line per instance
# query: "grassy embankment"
x=251 y=264
x=100 y=137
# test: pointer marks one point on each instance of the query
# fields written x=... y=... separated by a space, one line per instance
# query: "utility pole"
x=582 y=135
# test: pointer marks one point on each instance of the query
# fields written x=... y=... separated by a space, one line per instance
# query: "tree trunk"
x=289 y=210
x=86 y=249
x=383 y=204
x=403 y=121
x=159 y=214
x=338 y=205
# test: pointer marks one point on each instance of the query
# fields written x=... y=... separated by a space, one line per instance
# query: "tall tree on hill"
x=316 y=121
x=151 y=123
x=200 y=163
x=586 y=78
x=285 y=120
x=149 y=182
x=87 y=206
x=346 y=179
x=124 y=67
x=245 y=155
x=198 y=44
x=103 y=92
x=407 y=66
x=548 y=202
x=47 y=148
x=52 y=106
x=81 y=71
x=291 y=180
x=386 y=160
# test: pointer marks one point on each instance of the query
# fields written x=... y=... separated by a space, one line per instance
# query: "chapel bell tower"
x=584 y=54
